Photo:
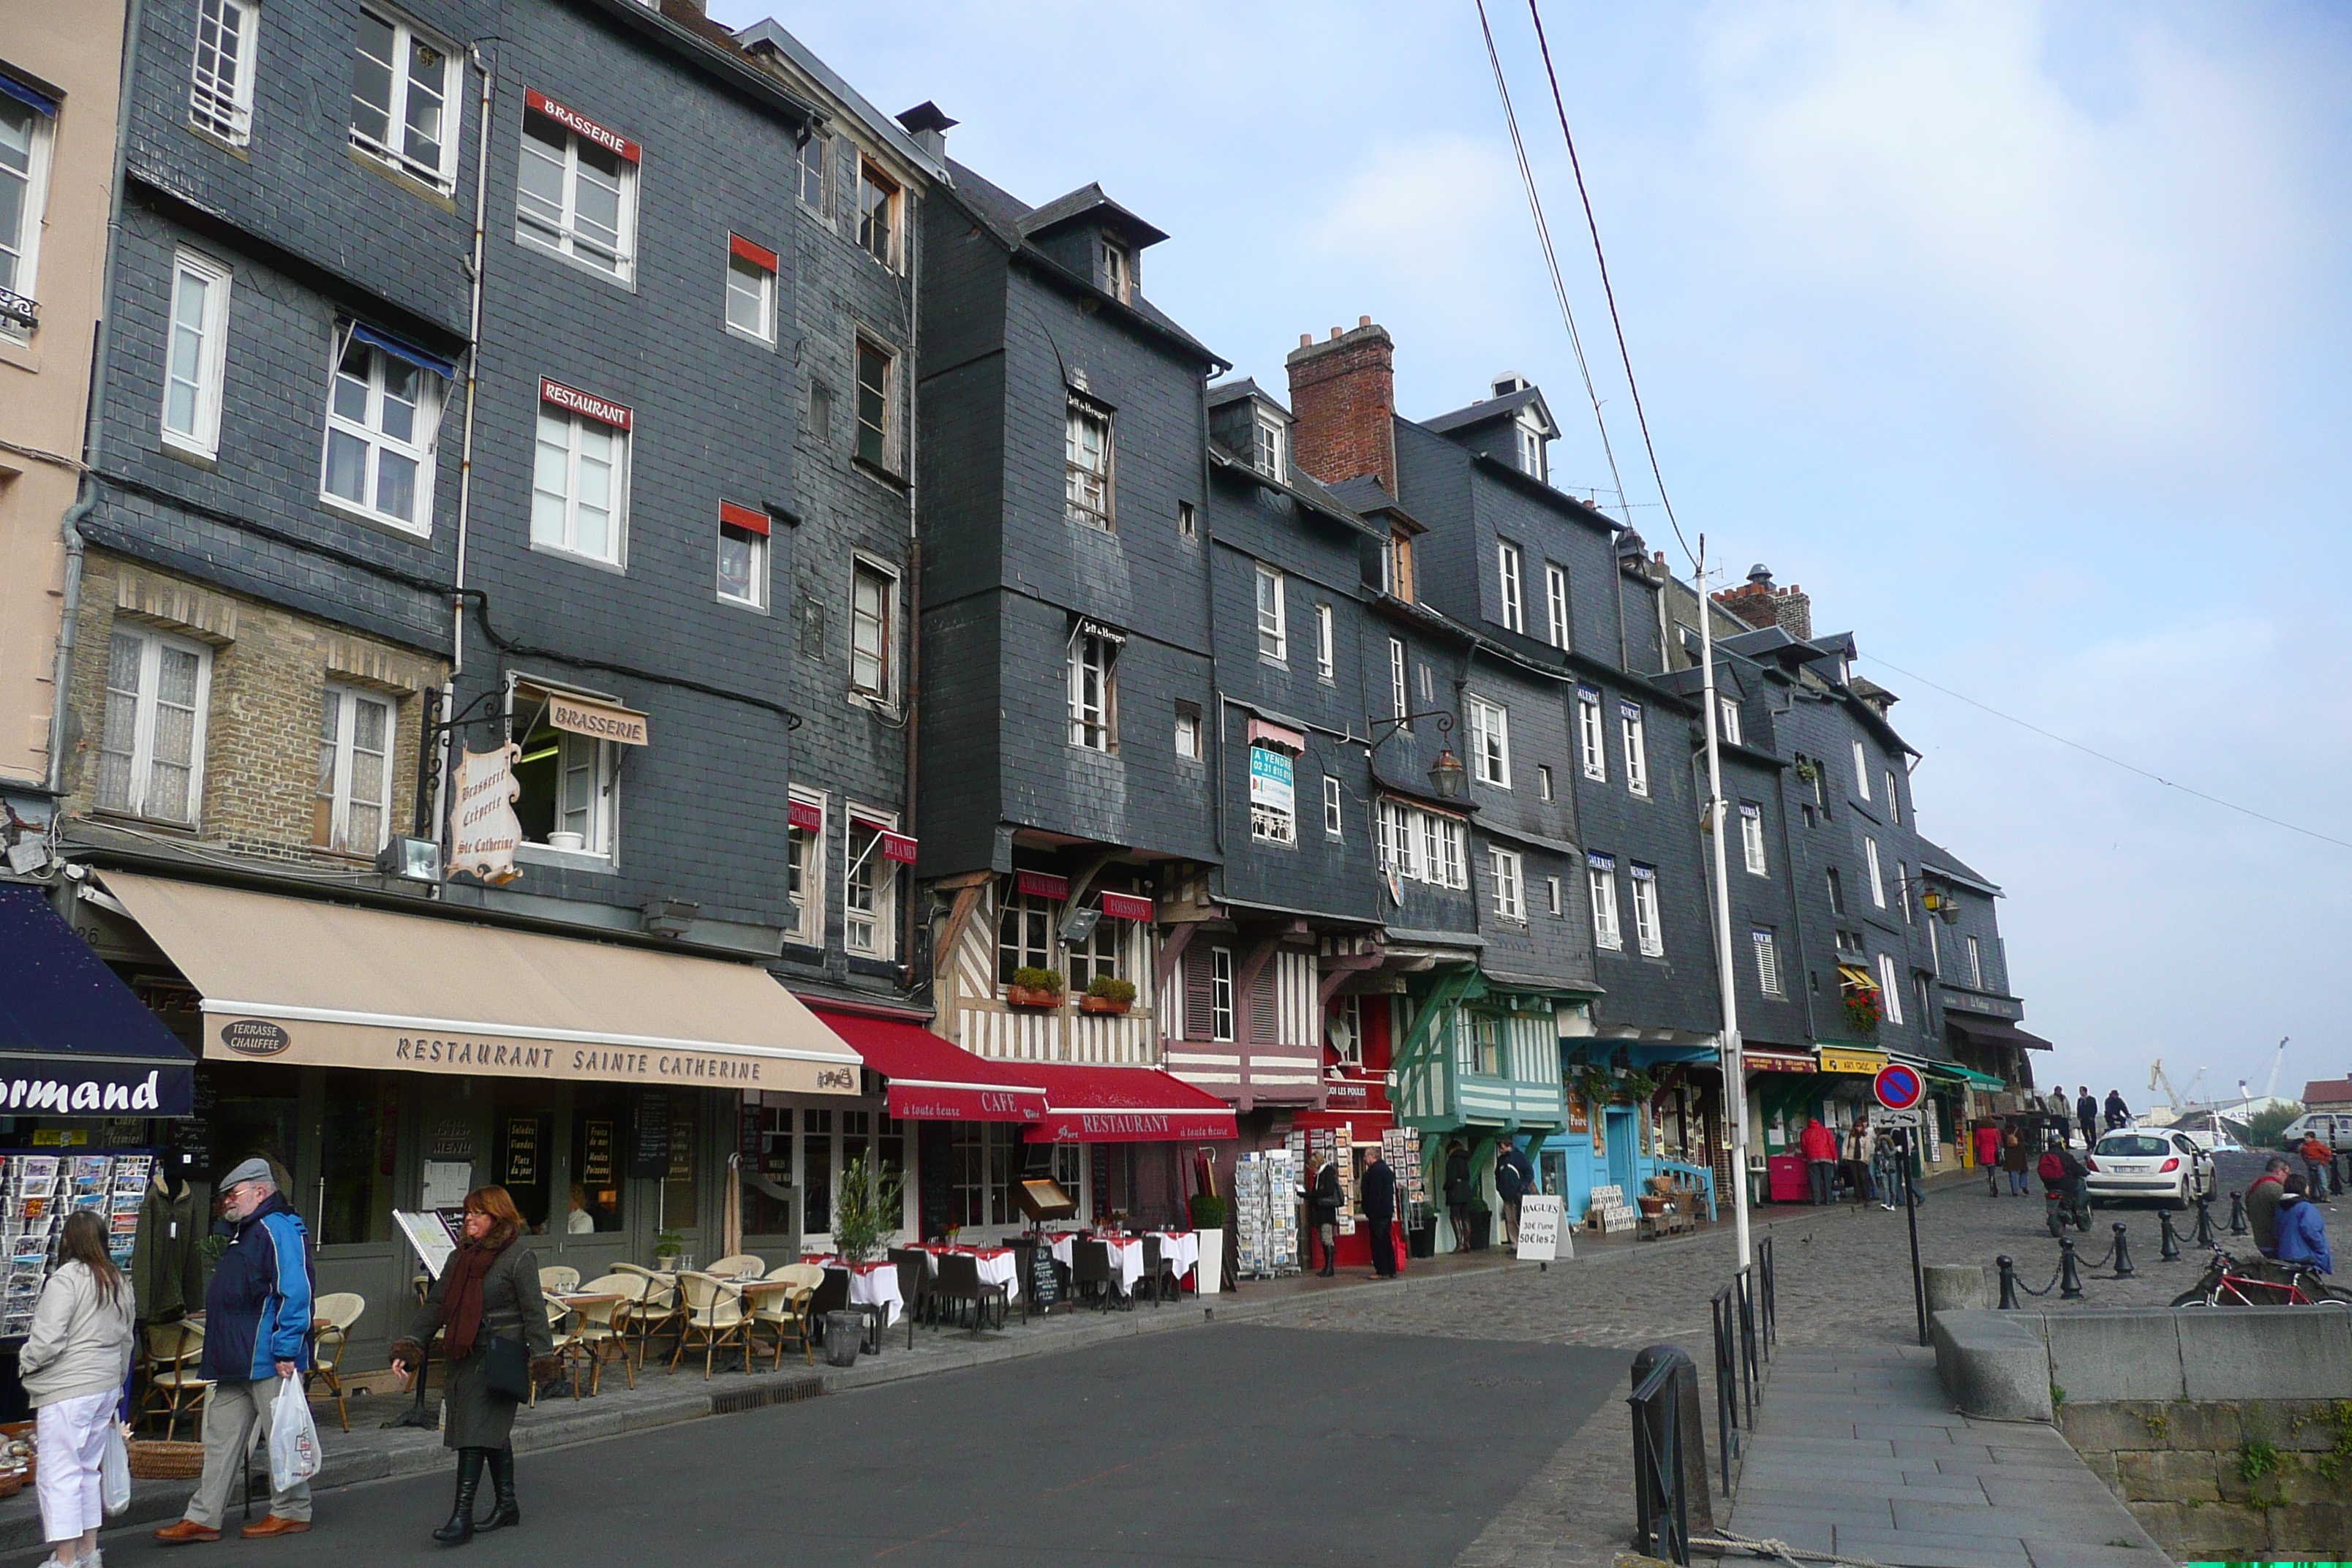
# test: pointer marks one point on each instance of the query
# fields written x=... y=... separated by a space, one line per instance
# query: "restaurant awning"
x=1967 y=1076
x=1122 y=1105
x=306 y=983
x=934 y=1080
x=1992 y=1032
x=73 y=1040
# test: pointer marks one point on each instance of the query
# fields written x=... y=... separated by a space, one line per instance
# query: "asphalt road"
x=1229 y=1444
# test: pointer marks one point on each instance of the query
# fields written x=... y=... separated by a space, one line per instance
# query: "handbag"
x=506 y=1368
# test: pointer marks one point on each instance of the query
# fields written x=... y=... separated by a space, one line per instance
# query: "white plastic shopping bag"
x=114 y=1472
x=293 y=1437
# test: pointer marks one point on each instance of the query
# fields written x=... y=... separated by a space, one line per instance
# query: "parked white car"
x=2149 y=1162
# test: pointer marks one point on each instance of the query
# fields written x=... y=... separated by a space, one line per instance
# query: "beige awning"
x=312 y=984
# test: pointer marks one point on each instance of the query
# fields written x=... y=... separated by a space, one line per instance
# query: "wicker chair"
x=739 y=1265
x=559 y=1277
x=655 y=1311
x=602 y=1332
x=785 y=1313
x=174 y=1351
x=713 y=1318
x=332 y=1320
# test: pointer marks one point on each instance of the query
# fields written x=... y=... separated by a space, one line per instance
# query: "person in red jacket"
x=1819 y=1145
x=1987 y=1140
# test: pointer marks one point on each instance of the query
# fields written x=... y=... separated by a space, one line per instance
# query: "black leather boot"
x=506 y=1511
x=461 y=1528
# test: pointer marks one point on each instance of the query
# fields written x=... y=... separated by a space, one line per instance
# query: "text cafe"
x=387 y=1057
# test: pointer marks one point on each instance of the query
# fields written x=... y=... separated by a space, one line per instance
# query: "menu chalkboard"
x=650 y=1154
x=596 y=1154
x=1044 y=1283
x=522 y=1151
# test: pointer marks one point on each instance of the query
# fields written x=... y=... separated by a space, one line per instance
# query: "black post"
x=2009 y=1303
x=415 y=1414
x=2123 y=1253
x=2171 y=1253
x=1911 y=1217
x=2070 y=1286
x=2237 y=1218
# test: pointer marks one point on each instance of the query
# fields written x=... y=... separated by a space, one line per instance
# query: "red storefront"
x=1357 y=1113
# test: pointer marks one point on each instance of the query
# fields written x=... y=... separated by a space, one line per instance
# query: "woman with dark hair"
x=488 y=1292
x=73 y=1366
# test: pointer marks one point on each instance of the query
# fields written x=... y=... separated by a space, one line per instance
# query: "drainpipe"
x=914 y=585
x=466 y=462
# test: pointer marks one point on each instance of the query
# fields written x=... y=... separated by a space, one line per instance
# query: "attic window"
x=1119 y=272
x=1268 y=454
x=1532 y=450
x=1399 y=561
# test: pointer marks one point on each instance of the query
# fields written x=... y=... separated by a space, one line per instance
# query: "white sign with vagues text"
x=1541 y=1228
x=1882 y=1116
x=483 y=829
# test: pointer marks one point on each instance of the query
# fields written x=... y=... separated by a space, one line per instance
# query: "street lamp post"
x=1735 y=1075
x=1446 y=774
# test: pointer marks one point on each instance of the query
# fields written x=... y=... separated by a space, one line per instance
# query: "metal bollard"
x=2171 y=1253
x=2009 y=1303
x=2070 y=1277
x=2123 y=1253
x=2237 y=1214
x=2205 y=1221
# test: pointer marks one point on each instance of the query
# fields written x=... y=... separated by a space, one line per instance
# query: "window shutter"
x=1199 y=1004
x=1261 y=1011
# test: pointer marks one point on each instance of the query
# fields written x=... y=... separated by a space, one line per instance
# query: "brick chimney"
x=1760 y=605
x=1343 y=396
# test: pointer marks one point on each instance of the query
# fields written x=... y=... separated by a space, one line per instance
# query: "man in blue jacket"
x=256 y=1338
x=2302 y=1234
x=1514 y=1179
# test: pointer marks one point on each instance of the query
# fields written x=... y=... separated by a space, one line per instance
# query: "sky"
x=2015 y=334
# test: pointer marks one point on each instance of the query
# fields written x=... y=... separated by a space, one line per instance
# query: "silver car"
x=2149 y=1162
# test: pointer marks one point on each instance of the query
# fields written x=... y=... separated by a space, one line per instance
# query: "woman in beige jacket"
x=73 y=1365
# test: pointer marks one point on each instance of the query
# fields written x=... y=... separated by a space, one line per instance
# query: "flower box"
x=1103 y=1004
x=1030 y=996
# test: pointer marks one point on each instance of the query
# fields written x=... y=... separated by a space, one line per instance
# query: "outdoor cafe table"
x=870 y=1285
x=1125 y=1255
x=1178 y=1250
x=997 y=1265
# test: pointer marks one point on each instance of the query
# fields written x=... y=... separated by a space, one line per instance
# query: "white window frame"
x=1543 y=781
x=1751 y=838
x=1400 y=691
x=202 y=437
x=1894 y=806
x=342 y=766
x=1510 y=572
x=1556 y=605
x=1591 y=735
x=1334 y=820
x=1888 y=990
x=1861 y=773
x=1325 y=636
x=1648 y=934
x=1631 y=726
x=1902 y=890
x=810 y=846
x=1088 y=474
x=421 y=449
x=1119 y=272
x=1490 y=742
x=815 y=156
x=1768 y=961
x=568 y=240
x=1507 y=869
x=1221 y=994
x=1727 y=716
x=573 y=426
x=1976 y=964
x=882 y=684
x=879 y=885
x=1935 y=948
x=1601 y=881
x=221 y=106
x=443 y=178
x=1273 y=621
x=1188 y=734
x=1268 y=442
x=1877 y=882
x=23 y=248
x=1553 y=896
x=1533 y=461
x=762 y=295
x=600 y=821
x=144 y=701
x=758 y=545
x=1094 y=715
x=1028 y=914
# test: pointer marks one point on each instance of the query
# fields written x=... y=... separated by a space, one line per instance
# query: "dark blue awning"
x=401 y=350
x=26 y=93
x=73 y=1040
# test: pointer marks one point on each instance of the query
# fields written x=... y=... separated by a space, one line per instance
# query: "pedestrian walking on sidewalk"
x=73 y=1365
x=1323 y=1202
x=2302 y=1233
x=2013 y=1161
x=1859 y=1142
x=1459 y=1191
x=2086 y=1111
x=488 y=1307
x=1515 y=1176
x=256 y=1346
x=2318 y=1164
x=1819 y=1145
x=1988 y=1142
x=1379 y=1213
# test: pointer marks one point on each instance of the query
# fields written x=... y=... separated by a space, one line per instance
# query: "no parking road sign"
x=1898 y=1087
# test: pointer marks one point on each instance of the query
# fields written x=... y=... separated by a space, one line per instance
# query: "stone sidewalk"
x=1857 y=1452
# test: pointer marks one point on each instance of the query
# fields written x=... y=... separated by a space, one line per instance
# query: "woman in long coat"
x=489 y=1291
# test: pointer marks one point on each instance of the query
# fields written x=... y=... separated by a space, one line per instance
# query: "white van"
x=2333 y=1127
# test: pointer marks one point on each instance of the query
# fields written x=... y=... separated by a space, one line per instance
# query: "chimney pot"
x=1343 y=403
x=1335 y=332
x=1306 y=339
x=1364 y=320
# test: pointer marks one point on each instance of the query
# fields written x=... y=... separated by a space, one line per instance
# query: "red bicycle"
x=2229 y=1283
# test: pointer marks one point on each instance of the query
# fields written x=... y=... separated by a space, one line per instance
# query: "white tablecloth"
x=1180 y=1249
x=1005 y=1268
x=871 y=1284
x=1125 y=1259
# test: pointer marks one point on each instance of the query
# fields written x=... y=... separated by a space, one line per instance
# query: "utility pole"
x=1735 y=1075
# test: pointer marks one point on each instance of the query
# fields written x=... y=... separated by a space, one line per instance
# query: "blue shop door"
x=1619 y=1129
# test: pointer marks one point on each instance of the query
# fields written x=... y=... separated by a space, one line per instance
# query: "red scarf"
x=461 y=1297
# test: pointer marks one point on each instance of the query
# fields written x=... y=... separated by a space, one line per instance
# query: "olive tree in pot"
x=865 y=1215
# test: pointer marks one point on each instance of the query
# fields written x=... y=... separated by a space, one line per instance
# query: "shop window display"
x=816 y=1172
x=358 y=1142
x=600 y=1130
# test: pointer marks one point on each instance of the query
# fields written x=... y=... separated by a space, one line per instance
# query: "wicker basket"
x=152 y=1461
x=12 y=1481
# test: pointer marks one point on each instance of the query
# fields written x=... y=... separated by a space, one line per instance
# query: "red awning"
x=932 y=1080
x=1123 y=1105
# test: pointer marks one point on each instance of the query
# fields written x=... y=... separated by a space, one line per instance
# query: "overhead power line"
x=1543 y=236
x=2116 y=762
x=1600 y=258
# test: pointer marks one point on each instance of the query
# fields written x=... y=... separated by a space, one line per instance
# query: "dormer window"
x=1399 y=560
x=1271 y=440
x=1119 y=272
x=1531 y=450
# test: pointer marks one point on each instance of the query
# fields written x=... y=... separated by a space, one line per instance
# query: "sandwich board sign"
x=1540 y=1227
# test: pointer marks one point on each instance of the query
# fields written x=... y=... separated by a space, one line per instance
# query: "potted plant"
x=866 y=1211
x=1034 y=987
x=1209 y=1230
x=1861 y=1009
x=1104 y=994
x=671 y=1254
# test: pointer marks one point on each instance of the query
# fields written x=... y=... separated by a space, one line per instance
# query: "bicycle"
x=2226 y=1283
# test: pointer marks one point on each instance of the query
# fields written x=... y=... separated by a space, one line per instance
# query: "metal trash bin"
x=844 y=1333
